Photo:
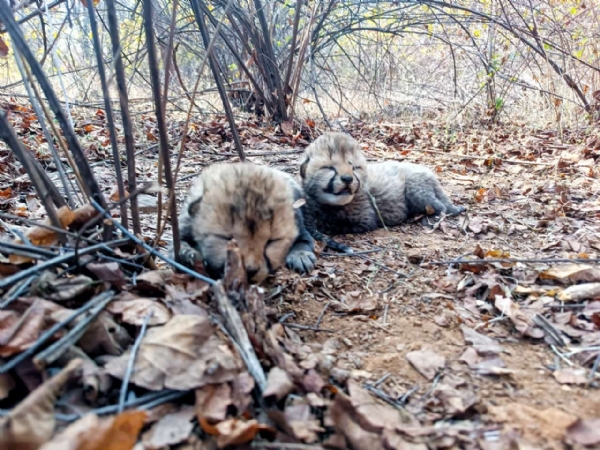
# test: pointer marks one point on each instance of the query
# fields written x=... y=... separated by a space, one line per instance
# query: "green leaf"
x=499 y=104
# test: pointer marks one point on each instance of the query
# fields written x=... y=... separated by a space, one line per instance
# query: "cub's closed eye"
x=357 y=168
x=272 y=241
x=224 y=237
x=328 y=168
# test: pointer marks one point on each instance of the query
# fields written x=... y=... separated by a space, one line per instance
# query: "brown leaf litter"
x=390 y=350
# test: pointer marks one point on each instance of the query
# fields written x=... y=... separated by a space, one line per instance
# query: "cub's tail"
x=424 y=190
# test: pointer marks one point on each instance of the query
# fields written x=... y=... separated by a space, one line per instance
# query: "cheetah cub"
x=255 y=205
x=346 y=195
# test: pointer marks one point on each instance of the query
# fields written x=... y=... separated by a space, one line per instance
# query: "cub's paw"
x=337 y=246
x=302 y=261
x=456 y=210
x=189 y=256
x=428 y=221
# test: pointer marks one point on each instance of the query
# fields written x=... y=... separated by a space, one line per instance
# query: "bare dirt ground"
x=528 y=196
x=460 y=346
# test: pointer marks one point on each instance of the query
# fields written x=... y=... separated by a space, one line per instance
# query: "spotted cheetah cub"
x=347 y=195
x=253 y=205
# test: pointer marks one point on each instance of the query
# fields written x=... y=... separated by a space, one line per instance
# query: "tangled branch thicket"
x=468 y=60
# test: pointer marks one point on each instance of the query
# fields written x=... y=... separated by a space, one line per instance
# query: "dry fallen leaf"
x=117 y=433
x=287 y=127
x=73 y=437
x=237 y=432
x=313 y=382
x=521 y=319
x=584 y=432
x=302 y=424
x=483 y=344
x=109 y=272
x=455 y=401
x=50 y=287
x=183 y=354
x=570 y=375
x=362 y=304
x=426 y=362
x=212 y=402
x=102 y=337
x=172 y=429
x=279 y=384
x=571 y=273
x=441 y=320
x=153 y=282
x=39 y=236
x=372 y=412
x=17 y=334
x=347 y=425
x=134 y=311
x=485 y=365
x=92 y=433
x=31 y=423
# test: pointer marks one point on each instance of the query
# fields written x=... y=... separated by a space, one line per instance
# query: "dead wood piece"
x=16 y=291
x=235 y=327
x=214 y=66
x=306 y=327
x=322 y=314
x=235 y=280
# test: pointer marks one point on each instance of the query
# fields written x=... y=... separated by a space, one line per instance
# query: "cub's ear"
x=303 y=166
x=195 y=196
x=194 y=206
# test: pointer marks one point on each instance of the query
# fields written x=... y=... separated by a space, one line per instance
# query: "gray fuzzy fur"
x=386 y=193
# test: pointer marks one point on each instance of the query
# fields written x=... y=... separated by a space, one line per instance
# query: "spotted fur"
x=347 y=195
x=253 y=205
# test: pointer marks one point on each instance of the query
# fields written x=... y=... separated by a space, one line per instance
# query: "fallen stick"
x=131 y=362
x=34 y=270
x=235 y=327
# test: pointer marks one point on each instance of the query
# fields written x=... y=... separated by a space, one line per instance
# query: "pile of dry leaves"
x=199 y=374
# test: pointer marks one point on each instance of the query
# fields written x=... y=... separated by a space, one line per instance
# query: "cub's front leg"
x=301 y=257
x=309 y=215
x=189 y=256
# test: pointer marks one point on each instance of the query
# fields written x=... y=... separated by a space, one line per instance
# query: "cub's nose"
x=251 y=271
x=347 y=179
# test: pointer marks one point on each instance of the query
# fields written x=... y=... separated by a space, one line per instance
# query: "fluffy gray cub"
x=253 y=205
x=347 y=195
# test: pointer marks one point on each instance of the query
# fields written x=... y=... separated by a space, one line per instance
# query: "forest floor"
x=479 y=354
